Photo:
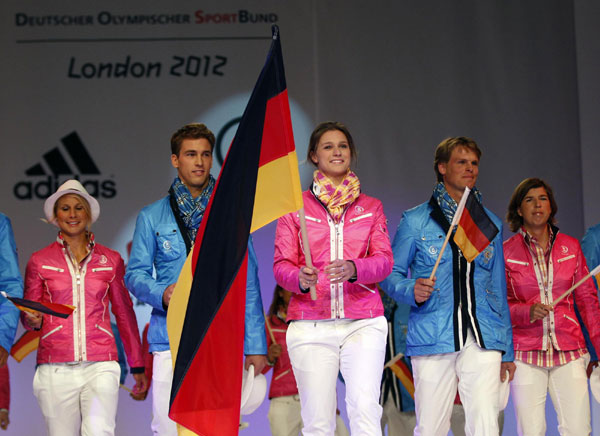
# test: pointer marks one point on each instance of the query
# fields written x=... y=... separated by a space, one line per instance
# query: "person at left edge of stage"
x=459 y=330
x=542 y=263
x=76 y=381
x=344 y=328
x=11 y=282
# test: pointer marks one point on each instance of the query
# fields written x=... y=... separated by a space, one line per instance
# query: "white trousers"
x=78 y=399
x=568 y=388
x=162 y=378
x=285 y=420
x=284 y=416
x=476 y=373
x=318 y=351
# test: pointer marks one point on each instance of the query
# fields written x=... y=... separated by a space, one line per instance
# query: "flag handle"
x=455 y=220
x=437 y=262
x=269 y=329
x=572 y=288
x=307 y=256
x=393 y=360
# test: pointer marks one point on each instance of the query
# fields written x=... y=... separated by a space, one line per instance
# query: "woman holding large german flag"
x=343 y=329
x=76 y=381
x=542 y=266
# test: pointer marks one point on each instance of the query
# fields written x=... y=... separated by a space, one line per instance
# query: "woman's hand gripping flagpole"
x=455 y=220
x=307 y=256
x=593 y=272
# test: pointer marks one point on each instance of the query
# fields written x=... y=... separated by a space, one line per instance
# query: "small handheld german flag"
x=27 y=343
x=403 y=372
x=54 y=309
x=475 y=229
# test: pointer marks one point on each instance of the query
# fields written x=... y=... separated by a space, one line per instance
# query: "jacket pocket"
x=104 y=268
x=485 y=259
x=52 y=268
x=167 y=243
x=54 y=330
x=102 y=329
x=428 y=249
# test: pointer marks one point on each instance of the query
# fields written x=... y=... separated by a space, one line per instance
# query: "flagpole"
x=572 y=288
x=307 y=256
x=455 y=220
x=393 y=360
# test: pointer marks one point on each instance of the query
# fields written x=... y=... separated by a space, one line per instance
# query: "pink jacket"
x=566 y=267
x=86 y=335
x=283 y=382
x=361 y=236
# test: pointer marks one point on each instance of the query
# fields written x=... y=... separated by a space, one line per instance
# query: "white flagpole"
x=455 y=220
x=579 y=283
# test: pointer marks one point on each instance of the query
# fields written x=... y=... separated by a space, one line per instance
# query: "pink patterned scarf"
x=336 y=198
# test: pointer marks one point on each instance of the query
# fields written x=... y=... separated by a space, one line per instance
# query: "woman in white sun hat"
x=77 y=379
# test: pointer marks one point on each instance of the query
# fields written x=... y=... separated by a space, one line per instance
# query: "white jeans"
x=78 y=399
x=285 y=420
x=284 y=416
x=318 y=351
x=162 y=378
x=568 y=388
x=475 y=371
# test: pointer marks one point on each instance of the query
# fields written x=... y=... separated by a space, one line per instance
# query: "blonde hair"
x=84 y=203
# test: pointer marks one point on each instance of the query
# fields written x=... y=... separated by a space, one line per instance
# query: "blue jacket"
x=438 y=325
x=157 y=255
x=590 y=245
x=11 y=282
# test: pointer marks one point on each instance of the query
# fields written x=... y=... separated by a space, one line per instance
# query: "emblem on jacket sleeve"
x=433 y=250
x=103 y=260
x=359 y=209
x=166 y=246
x=564 y=249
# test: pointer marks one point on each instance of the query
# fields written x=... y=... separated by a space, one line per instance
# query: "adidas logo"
x=58 y=166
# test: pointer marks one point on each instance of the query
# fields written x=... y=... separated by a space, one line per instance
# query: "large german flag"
x=475 y=229
x=258 y=183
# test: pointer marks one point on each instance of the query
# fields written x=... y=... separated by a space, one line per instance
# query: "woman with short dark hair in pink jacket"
x=76 y=381
x=344 y=328
x=550 y=352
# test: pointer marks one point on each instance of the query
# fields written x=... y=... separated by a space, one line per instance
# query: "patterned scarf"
x=447 y=203
x=336 y=198
x=191 y=209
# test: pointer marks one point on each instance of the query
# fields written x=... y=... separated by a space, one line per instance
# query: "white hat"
x=254 y=390
x=70 y=187
x=503 y=392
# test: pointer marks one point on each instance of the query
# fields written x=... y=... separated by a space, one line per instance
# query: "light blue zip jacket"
x=159 y=247
x=438 y=325
x=11 y=282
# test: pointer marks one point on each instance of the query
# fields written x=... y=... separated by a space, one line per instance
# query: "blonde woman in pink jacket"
x=76 y=381
x=344 y=328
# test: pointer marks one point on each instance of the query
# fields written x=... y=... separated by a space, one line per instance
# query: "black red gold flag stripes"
x=475 y=229
x=27 y=343
x=259 y=182
x=54 y=309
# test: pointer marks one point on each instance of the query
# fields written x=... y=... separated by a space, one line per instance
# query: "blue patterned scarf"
x=447 y=203
x=192 y=209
